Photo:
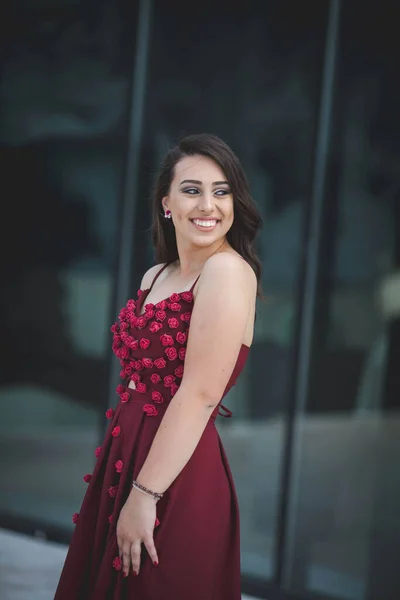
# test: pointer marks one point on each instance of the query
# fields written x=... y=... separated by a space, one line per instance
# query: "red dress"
x=197 y=532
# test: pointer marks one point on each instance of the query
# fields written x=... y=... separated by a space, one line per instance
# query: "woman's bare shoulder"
x=148 y=277
x=226 y=265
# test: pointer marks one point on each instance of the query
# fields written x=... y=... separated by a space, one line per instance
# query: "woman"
x=160 y=519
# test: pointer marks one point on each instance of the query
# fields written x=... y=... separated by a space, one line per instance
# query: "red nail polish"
x=125 y=574
x=134 y=573
x=155 y=563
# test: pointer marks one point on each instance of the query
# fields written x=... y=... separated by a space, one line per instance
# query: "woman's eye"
x=191 y=191
x=221 y=192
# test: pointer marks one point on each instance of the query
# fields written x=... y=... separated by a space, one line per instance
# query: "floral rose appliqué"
x=148 y=307
x=154 y=327
x=157 y=397
x=119 y=465
x=131 y=305
x=87 y=477
x=117 y=563
x=174 y=389
x=160 y=363
x=124 y=352
x=167 y=340
x=161 y=315
x=150 y=410
x=186 y=317
x=179 y=371
x=139 y=293
x=112 y=491
x=171 y=353
x=135 y=377
x=75 y=518
x=124 y=326
x=116 y=431
x=97 y=452
x=120 y=389
x=139 y=365
x=181 y=337
x=133 y=344
x=187 y=296
x=109 y=413
x=125 y=397
x=169 y=380
x=175 y=306
x=144 y=343
x=123 y=314
x=114 y=328
x=141 y=388
x=182 y=353
x=147 y=363
x=155 y=378
x=162 y=305
x=174 y=298
x=141 y=322
x=173 y=323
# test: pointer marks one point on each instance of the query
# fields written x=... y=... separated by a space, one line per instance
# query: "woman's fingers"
x=135 y=556
x=126 y=558
x=151 y=549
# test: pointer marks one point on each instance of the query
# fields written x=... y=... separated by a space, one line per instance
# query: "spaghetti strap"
x=195 y=281
x=157 y=275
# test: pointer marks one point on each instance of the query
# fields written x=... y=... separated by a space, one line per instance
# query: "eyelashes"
x=194 y=192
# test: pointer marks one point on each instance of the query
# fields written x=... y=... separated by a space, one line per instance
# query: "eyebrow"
x=197 y=182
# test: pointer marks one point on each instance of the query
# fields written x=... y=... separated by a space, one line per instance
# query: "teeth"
x=208 y=223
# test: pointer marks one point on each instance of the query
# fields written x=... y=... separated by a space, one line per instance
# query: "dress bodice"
x=150 y=343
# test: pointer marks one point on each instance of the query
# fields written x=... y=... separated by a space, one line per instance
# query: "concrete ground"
x=29 y=568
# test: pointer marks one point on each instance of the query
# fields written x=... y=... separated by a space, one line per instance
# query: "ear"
x=164 y=203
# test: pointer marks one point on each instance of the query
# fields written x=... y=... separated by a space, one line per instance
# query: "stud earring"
x=167 y=214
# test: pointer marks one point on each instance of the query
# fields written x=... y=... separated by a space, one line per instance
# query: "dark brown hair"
x=247 y=220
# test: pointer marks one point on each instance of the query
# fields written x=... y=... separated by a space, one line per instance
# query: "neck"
x=192 y=259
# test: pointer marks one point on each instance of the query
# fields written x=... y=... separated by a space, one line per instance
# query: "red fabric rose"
x=175 y=306
x=150 y=314
x=110 y=413
x=120 y=389
x=182 y=353
x=116 y=431
x=97 y=452
x=141 y=322
x=125 y=397
x=128 y=370
x=160 y=363
x=157 y=397
x=129 y=340
x=135 y=377
x=75 y=518
x=119 y=465
x=166 y=340
x=122 y=314
x=117 y=338
x=114 y=328
x=132 y=318
x=160 y=315
x=131 y=305
x=147 y=363
x=156 y=524
x=174 y=389
x=115 y=348
x=169 y=380
x=139 y=293
x=112 y=491
x=181 y=337
x=154 y=327
x=117 y=563
x=124 y=352
x=175 y=298
x=150 y=410
x=144 y=343
x=110 y=518
x=173 y=323
x=186 y=317
x=87 y=478
x=123 y=336
x=124 y=326
x=187 y=296
x=155 y=378
x=134 y=345
x=162 y=305
x=139 y=365
x=149 y=306
x=179 y=371
x=171 y=353
x=141 y=388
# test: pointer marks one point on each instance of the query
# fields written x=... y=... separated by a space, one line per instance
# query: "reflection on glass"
x=63 y=97
x=255 y=83
x=346 y=508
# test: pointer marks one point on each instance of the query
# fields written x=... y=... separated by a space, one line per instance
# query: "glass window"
x=64 y=97
x=250 y=74
x=345 y=484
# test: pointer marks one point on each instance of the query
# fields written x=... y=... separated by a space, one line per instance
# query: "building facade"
x=92 y=96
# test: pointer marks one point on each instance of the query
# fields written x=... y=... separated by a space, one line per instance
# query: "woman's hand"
x=136 y=526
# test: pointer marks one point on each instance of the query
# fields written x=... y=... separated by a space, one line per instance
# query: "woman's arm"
x=224 y=300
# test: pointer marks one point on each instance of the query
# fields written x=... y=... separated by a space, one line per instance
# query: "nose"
x=206 y=202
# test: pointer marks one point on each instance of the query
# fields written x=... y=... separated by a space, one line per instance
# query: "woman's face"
x=200 y=201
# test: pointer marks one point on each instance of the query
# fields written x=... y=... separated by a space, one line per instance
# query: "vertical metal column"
x=127 y=215
x=307 y=305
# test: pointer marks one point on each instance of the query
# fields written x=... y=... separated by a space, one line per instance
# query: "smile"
x=205 y=223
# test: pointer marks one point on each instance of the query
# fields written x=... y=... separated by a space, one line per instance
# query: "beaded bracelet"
x=145 y=490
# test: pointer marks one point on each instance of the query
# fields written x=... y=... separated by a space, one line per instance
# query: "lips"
x=206 y=223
